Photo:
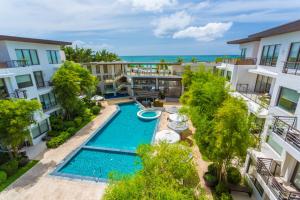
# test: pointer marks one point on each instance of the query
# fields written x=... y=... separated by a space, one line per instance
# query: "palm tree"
x=194 y=60
x=179 y=60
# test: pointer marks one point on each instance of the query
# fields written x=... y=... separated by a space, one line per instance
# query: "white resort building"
x=26 y=68
x=138 y=79
x=268 y=77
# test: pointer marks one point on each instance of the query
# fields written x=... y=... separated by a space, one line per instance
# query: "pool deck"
x=38 y=184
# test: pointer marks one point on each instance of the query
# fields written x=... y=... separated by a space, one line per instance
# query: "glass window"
x=3 y=89
x=53 y=57
x=228 y=75
x=30 y=55
x=24 y=81
x=288 y=99
x=40 y=129
x=39 y=79
x=296 y=176
x=243 y=53
x=274 y=145
x=270 y=55
x=294 y=56
x=98 y=69
x=105 y=69
x=263 y=84
x=48 y=101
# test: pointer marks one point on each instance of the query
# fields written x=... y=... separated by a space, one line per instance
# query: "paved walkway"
x=37 y=184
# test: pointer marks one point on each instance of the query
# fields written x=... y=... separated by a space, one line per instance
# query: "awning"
x=168 y=136
x=263 y=72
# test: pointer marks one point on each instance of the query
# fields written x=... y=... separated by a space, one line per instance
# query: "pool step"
x=109 y=150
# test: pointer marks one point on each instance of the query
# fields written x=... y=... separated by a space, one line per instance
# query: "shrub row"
x=60 y=139
x=10 y=167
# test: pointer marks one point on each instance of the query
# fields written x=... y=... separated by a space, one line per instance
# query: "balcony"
x=284 y=127
x=282 y=190
x=47 y=107
x=44 y=84
x=18 y=94
x=14 y=63
x=291 y=68
x=240 y=61
x=262 y=99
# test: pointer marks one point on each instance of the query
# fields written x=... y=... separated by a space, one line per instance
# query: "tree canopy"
x=15 y=117
x=168 y=173
x=70 y=81
x=221 y=121
x=83 y=55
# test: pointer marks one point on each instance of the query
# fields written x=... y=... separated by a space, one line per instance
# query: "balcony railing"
x=240 y=61
x=47 y=107
x=259 y=98
x=19 y=94
x=279 y=188
x=291 y=68
x=44 y=84
x=284 y=127
x=17 y=63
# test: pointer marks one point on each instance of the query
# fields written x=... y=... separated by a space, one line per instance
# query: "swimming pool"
x=111 y=148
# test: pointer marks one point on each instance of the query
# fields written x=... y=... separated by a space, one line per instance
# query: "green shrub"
x=210 y=178
x=4 y=157
x=95 y=110
x=233 y=175
x=3 y=176
x=56 y=123
x=69 y=124
x=52 y=133
x=71 y=130
x=10 y=167
x=221 y=188
x=60 y=139
x=212 y=169
x=78 y=121
x=87 y=114
x=226 y=196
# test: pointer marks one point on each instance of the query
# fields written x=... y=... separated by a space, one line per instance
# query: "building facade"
x=26 y=68
x=267 y=76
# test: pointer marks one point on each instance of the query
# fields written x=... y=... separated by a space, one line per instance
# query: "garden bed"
x=18 y=174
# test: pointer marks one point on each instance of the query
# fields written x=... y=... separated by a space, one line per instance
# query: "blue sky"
x=146 y=27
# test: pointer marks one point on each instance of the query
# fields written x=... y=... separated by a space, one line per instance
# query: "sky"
x=146 y=27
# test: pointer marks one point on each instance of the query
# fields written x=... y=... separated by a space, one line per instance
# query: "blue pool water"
x=126 y=131
x=112 y=148
x=100 y=164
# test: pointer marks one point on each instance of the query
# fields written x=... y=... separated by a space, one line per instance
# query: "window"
x=263 y=84
x=105 y=69
x=24 y=81
x=48 y=101
x=243 y=53
x=53 y=56
x=39 y=79
x=40 y=129
x=29 y=55
x=275 y=146
x=294 y=56
x=296 y=176
x=228 y=75
x=3 y=89
x=288 y=99
x=89 y=67
x=98 y=69
x=270 y=55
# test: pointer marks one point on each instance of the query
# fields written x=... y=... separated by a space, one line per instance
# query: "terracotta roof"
x=33 y=40
x=285 y=28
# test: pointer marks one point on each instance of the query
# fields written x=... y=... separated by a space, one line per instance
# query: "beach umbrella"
x=97 y=98
x=176 y=117
x=172 y=109
x=178 y=126
x=168 y=136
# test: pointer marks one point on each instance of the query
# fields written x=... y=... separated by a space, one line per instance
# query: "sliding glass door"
x=263 y=84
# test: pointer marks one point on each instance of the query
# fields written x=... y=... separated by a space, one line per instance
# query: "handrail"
x=44 y=84
x=263 y=168
x=243 y=89
x=17 y=63
x=19 y=94
x=287 y=131
x=240 y=61
x=291 y=68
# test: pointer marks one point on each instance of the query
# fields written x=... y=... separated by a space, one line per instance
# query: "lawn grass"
x=19 y=173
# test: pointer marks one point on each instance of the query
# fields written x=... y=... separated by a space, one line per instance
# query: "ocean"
x=173 y=58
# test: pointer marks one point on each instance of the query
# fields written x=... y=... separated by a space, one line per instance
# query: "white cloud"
x=150 y=5
x=206 y=33
x=174 y=22
x=92 y=45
